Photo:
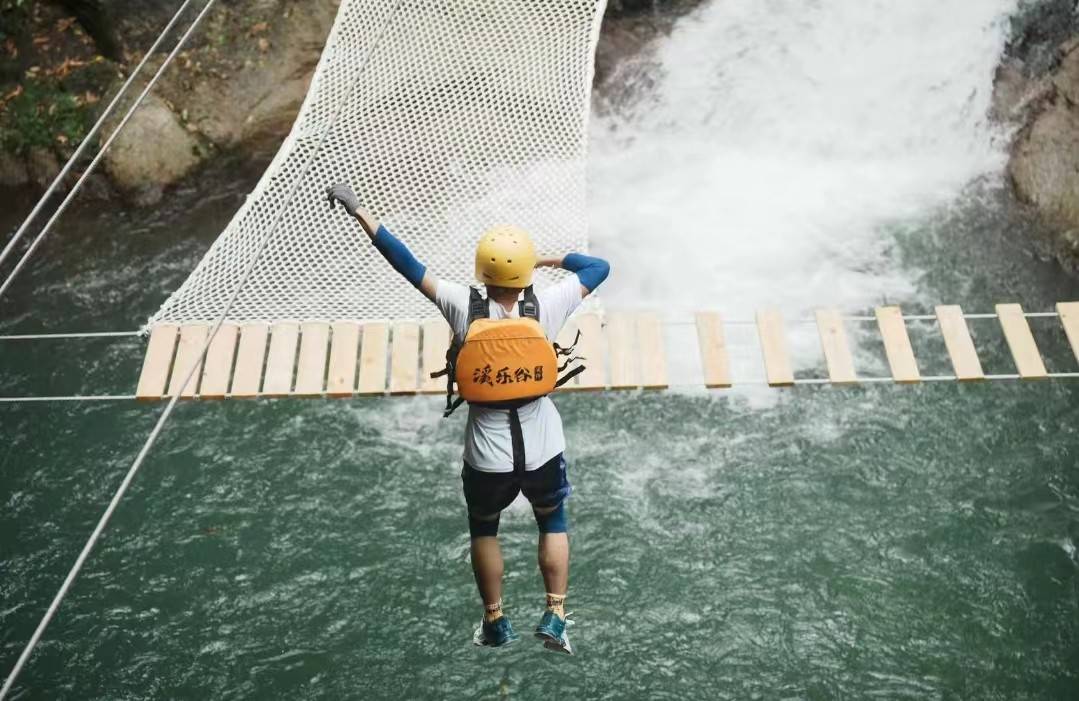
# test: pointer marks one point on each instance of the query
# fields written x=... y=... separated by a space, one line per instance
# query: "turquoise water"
x=893 y=542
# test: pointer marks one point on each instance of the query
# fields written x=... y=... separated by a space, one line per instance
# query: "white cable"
x=88 y=139
x=50 y=336
x=859 y=319
x=104 y=148
x=152 y=438
x=73 y=398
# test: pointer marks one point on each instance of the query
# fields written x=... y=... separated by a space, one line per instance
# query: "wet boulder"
x=153 y=151
x=1044 y=166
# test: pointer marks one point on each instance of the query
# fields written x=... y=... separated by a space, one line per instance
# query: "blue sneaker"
x=495 y=634
x=552 y=631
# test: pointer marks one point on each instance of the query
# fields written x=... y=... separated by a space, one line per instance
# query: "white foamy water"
x=781 y=137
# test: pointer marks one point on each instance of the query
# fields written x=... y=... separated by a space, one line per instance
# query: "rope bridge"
x=622 y=351
x=448 y=116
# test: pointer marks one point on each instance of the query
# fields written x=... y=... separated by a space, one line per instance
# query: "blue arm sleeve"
x=590 y=271
x=399 y=256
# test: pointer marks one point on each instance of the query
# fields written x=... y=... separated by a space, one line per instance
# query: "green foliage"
x=13 y=14
x=43 y=115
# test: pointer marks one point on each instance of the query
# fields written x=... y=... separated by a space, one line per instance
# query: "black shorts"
x=488 y=493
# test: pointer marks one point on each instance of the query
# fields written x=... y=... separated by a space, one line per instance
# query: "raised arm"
x=591 y=271
x=391 y=248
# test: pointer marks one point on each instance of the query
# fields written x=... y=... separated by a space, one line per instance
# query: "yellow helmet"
x=505 y=257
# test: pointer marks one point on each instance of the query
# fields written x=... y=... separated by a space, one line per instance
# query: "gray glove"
x=343 y=193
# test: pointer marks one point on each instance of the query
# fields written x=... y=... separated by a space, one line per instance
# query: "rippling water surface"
x=879 y=541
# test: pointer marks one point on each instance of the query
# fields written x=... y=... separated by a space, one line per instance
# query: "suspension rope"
x=91 y=134
x=100 y=154
x=855 y=319
x=159 y=426
x=72 y=398
x=52 y=336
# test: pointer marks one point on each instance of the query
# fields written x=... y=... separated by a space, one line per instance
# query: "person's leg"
x=547 y=489
x=486 y=495
x=554 y=563
x=487 y=567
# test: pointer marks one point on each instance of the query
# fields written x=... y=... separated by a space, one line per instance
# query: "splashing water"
x=779 y=140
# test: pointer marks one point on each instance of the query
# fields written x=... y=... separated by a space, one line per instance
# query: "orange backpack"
x=504 y=363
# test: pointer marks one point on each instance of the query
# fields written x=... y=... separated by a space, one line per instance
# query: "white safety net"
x=447 y=117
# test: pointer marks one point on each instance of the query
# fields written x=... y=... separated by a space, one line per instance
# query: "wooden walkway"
x=623 y=351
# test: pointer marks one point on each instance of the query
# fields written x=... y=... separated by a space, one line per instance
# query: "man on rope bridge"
x=504 y=364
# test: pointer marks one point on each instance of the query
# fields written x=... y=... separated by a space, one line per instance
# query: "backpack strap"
x=567 y=353
x=528 y=307
x=477 y=309
x=569 y=375
x=477 y=305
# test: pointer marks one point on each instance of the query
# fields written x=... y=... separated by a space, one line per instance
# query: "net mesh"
x=447 y=117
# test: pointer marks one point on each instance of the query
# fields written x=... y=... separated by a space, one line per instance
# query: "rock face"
x=153 y=151
x=1044 y=166
x=252 y=89
x=239 y=83
x=236 y=86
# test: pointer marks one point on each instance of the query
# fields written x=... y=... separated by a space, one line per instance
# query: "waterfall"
x=779 y=141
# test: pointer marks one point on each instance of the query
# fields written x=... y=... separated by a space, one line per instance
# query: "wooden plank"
x=344 y=352
x=1028 y=360
x=621 y=341
x=777 y=363
x=960 y=345
x=1069 y=319
x=154 y=376
x=373 y=358
x=188 y=355
x=833 y=338
x=247 y=377
x=590 y=350
x=893 y=331
x=653 y=352
x=713 y=345
x=311 y=366
x=281 y=359
x=565 y=339
x=405 y=359
x=218 y=367
x=436 y=341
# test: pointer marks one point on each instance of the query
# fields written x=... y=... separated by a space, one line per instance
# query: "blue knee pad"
x=479 y=528
x=553 y=522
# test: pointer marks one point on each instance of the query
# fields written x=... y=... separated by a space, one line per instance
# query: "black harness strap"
x=528 y=307
x=517 y=440
x=477 y=305
x=477 y=309
x=559 y=350
x=569 y=375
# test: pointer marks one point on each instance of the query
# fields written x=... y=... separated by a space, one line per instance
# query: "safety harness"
x=528 y=308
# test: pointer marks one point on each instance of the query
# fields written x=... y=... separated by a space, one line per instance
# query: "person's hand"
x=344 y=194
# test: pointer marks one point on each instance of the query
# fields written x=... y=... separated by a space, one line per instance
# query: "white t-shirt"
x=488 y=445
